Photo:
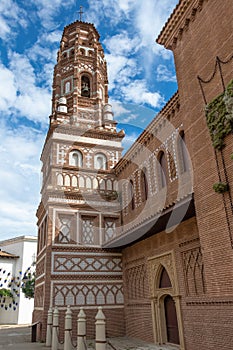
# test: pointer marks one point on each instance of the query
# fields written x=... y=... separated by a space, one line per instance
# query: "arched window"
x=162 y=169
x=100 y=161
x=82 y=52
x=67 y=87
x=144 y=184
x=182 y=153
x=85 y=86
x=76 y=158
x=165 y=281
x=131 y=194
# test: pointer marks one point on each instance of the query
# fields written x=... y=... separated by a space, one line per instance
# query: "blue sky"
x=141 y=80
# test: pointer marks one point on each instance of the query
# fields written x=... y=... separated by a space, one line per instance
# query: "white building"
x=16 y=256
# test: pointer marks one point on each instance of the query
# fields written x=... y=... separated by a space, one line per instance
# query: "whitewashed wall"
x=25 y=247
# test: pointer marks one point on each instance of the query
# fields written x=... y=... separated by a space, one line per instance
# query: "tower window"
x=67 y=87
x=100 y=161
x=76 y=158
x=85 y=86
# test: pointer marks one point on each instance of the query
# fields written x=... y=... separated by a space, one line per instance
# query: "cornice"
x=184 y=13
x=98 y=133
x=81 y=25
x=166 y=113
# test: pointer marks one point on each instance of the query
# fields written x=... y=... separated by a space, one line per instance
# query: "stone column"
x=81 y=330
x=55 y=341
x=68 y=329
x=100 y=330
x=49 y=328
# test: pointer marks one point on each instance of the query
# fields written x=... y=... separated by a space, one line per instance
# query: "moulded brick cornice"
x=93 y=133
x=81 y=26
x=166 y=113
x=179 y=21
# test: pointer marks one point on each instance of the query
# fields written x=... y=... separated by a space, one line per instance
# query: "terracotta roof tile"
x=7 y=255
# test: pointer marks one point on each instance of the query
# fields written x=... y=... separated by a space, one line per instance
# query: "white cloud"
x=7 y=88
x=114 y=11
x=53 y=37
x=19 y=93
x=4 y=28
x=118 y=108
x=164 y=74
x=11 y=16
x=47 y=10
x=121 y=44
x=138 y=92
x=121 y=70
x=20 y=179
x=150 y=18
x=129 y=119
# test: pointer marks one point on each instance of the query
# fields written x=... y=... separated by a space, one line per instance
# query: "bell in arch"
x=85 y=86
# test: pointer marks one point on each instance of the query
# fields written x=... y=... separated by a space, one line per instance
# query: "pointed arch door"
x=171 y=320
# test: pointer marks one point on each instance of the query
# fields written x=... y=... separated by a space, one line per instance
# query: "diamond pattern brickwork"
x=77 y=263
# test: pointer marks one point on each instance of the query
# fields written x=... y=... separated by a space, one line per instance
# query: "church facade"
x=148 y=236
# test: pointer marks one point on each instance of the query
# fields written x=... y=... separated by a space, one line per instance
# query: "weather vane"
x=80 y=13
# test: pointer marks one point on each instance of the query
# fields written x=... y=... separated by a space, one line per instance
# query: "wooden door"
x=171 y=320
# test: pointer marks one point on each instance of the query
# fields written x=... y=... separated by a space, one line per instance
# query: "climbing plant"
x=28 y=285
x=219 y=116
x=9 y=289
x=221 y=187
x=10 y=286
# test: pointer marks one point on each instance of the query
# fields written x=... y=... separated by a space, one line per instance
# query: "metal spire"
x=80 y=13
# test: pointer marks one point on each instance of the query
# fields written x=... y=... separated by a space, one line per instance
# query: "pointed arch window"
x=164 y=281
x=131 y=194
x=162 y=169
x=85 y=86
x=76 y=158
x=100 y=161
x=144 y=184
x=183 y=153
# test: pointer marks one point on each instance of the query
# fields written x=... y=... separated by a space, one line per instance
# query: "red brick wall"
x=208 y=35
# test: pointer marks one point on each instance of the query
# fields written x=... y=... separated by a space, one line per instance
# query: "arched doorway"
x=165 y=301
x=171 y=320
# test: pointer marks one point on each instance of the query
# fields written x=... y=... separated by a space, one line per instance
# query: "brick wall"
x=209 y=35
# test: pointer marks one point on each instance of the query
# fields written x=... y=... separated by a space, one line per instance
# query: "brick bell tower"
x=79 y=208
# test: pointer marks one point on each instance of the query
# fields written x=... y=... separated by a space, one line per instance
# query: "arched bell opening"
x=85 y=86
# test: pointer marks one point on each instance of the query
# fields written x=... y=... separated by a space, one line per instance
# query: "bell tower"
x=80 y=76
x=79 y=208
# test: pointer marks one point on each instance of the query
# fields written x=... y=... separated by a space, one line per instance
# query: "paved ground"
x=14 y=337
x=19 y=338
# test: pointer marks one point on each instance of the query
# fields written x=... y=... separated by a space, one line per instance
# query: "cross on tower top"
x=80 y=13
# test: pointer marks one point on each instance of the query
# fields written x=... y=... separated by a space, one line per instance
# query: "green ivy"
x=221 y=187
x=28 y=286
x=5 y=293
x=219 y=116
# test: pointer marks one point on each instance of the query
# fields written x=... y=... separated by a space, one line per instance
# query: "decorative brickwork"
x=194 y=271
x=136 y=282
x=39 y=296
x=87 y=264
x=88 y=294
x=40 y=267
